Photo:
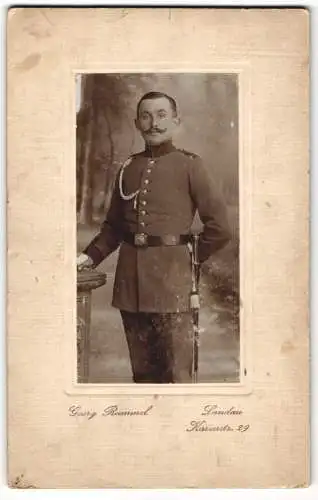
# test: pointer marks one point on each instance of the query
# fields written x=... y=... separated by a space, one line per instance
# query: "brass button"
x=146 y=181
x=144 y=202
x=145 y=191
x=143 y=212
x=142 y=223
x=148 y=170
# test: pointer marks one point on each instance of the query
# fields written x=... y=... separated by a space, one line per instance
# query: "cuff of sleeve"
x=94 y=253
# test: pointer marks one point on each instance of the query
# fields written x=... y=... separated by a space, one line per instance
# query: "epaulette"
x=188 y=153
x=128 y=160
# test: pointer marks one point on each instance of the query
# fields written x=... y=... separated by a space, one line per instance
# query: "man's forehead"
x=155 y=104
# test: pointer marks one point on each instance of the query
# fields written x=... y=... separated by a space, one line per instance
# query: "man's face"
x=156 y=121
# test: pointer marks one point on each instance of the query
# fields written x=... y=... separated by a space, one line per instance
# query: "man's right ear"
x=137 y=124
x=177 y=121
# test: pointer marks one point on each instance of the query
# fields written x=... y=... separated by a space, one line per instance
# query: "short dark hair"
x=158 y=95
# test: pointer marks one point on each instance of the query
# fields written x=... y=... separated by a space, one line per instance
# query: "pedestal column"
x=87 y=281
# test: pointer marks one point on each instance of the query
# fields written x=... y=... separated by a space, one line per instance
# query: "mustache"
x=155 y=129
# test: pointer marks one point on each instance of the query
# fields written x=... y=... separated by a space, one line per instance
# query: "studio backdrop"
x=106 y=136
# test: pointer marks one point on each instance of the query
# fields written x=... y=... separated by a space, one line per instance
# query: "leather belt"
x=147 y=240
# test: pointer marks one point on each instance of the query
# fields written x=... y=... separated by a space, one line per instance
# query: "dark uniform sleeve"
x=211 y=208
x=110 y=235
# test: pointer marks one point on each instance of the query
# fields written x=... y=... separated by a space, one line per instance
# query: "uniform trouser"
x=160 y=346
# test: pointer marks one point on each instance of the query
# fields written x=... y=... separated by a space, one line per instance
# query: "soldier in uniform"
x=156 y=195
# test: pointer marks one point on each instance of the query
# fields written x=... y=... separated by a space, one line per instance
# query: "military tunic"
x=172 y=185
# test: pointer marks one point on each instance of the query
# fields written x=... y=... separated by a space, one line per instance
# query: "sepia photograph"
x=157 y=228
x=157 y=241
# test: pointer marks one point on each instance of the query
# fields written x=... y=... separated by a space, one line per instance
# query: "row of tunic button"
x=145 y=191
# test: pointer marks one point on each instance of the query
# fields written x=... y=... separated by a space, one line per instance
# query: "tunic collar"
x=160 y=150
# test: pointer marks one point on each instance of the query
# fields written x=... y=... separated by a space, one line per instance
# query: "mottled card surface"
x=240 y=81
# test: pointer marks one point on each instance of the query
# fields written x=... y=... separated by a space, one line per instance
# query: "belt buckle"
x=170 y=240
x=140 y=239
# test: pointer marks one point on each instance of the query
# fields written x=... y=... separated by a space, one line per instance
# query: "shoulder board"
x=189 y=154
x=130 y=159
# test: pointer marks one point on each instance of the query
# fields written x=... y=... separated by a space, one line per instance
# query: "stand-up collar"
x=160 y=150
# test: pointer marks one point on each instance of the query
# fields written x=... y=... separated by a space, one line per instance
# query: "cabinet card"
x=129 y=129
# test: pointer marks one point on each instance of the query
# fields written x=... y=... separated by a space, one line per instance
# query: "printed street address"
x=204 y=425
